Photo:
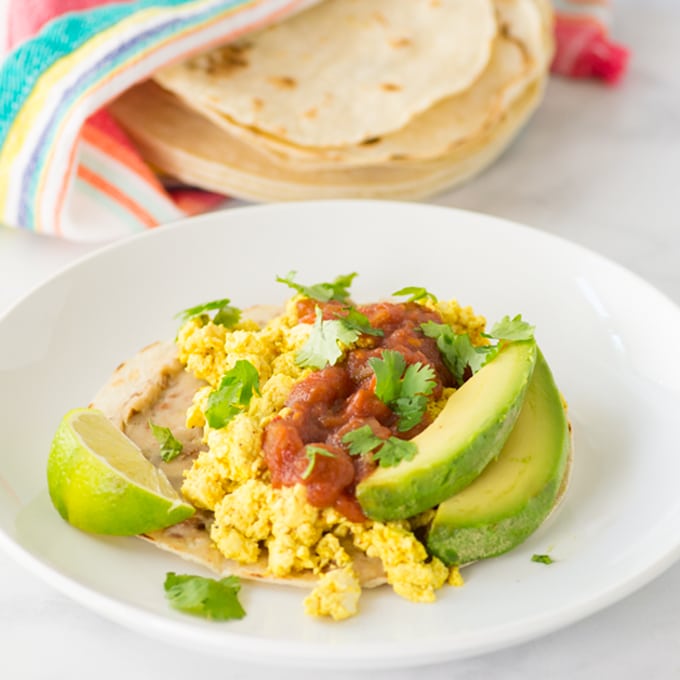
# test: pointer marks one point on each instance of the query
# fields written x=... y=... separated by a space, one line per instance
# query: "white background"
x=599 y=166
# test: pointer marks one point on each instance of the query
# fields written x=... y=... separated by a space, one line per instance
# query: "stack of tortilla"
x=351 y=98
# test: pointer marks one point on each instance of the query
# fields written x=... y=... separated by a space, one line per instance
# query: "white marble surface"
x=597 y=166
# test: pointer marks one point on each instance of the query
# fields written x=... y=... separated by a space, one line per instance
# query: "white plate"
x=609 y=337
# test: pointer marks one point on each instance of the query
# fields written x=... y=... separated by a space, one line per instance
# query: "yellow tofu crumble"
x=234 y=452
x=461 y=319
x=255 y=521
x=336 y=595
x=404 y=558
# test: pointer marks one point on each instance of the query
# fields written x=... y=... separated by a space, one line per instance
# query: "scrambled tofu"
x=461 y=319
x=234 y=452
x=337 y=595
x=254 y=520
x=404 y=559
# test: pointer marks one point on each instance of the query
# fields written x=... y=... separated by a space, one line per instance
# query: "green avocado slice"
x=517 y=491
x=468 y=433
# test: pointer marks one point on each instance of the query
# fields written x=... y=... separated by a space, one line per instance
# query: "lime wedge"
x=100 y=481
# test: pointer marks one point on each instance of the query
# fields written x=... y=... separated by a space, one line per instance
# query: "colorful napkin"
x=64 y=160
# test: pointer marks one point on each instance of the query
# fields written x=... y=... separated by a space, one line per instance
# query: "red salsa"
x=335 y=400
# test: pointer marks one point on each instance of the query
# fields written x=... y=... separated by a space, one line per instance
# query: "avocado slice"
x=468 y=433
x=517 y=491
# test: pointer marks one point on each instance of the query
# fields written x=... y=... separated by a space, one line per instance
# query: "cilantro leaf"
x=404 y=389
x=206 y=597
x=361 y=441
x=226 y=315
x=357 y=321
x=312 y=452
x=386 y=452
x=512 y=329
x=170 y=446
x=233 y=394
x=323 y=292
x=410 y=411
x=457 y=351
x=417 y=382
x=418 y=379
x=388 y=370
x=393 y=451
x=415 y=293
x=543 y=559
x=322 y=347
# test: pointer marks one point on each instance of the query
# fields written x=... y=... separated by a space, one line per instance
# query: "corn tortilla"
x=187 y=146
x=343 y=71
x=428 y=135
x=521 y=53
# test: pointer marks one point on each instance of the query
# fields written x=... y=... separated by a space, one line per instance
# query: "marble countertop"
x=597 y=166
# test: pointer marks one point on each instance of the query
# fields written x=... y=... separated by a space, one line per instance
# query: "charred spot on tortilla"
x=283 y=82
x=401 y=42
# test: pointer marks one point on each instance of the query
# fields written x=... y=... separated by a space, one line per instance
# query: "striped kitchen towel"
x=584 y=49
x=62 y=157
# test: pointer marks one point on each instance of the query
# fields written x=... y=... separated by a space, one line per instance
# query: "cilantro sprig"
x=210 y=598
x=514 y=329
x=324 y=344
x=403 y=388
x=233 y=394
x=322 y=292
x=356 y=321
x=457 y=350
x=171 y=447
x=415 y=293
x=312 y=452
x=225 y=314
x=459 y=353
x=386 y=452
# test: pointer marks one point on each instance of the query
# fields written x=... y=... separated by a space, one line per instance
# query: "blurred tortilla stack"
x=351 y=98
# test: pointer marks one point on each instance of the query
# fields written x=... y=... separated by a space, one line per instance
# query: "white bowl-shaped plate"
x=608 y=336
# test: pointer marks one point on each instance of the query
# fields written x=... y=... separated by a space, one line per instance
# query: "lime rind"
x=100 y=481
